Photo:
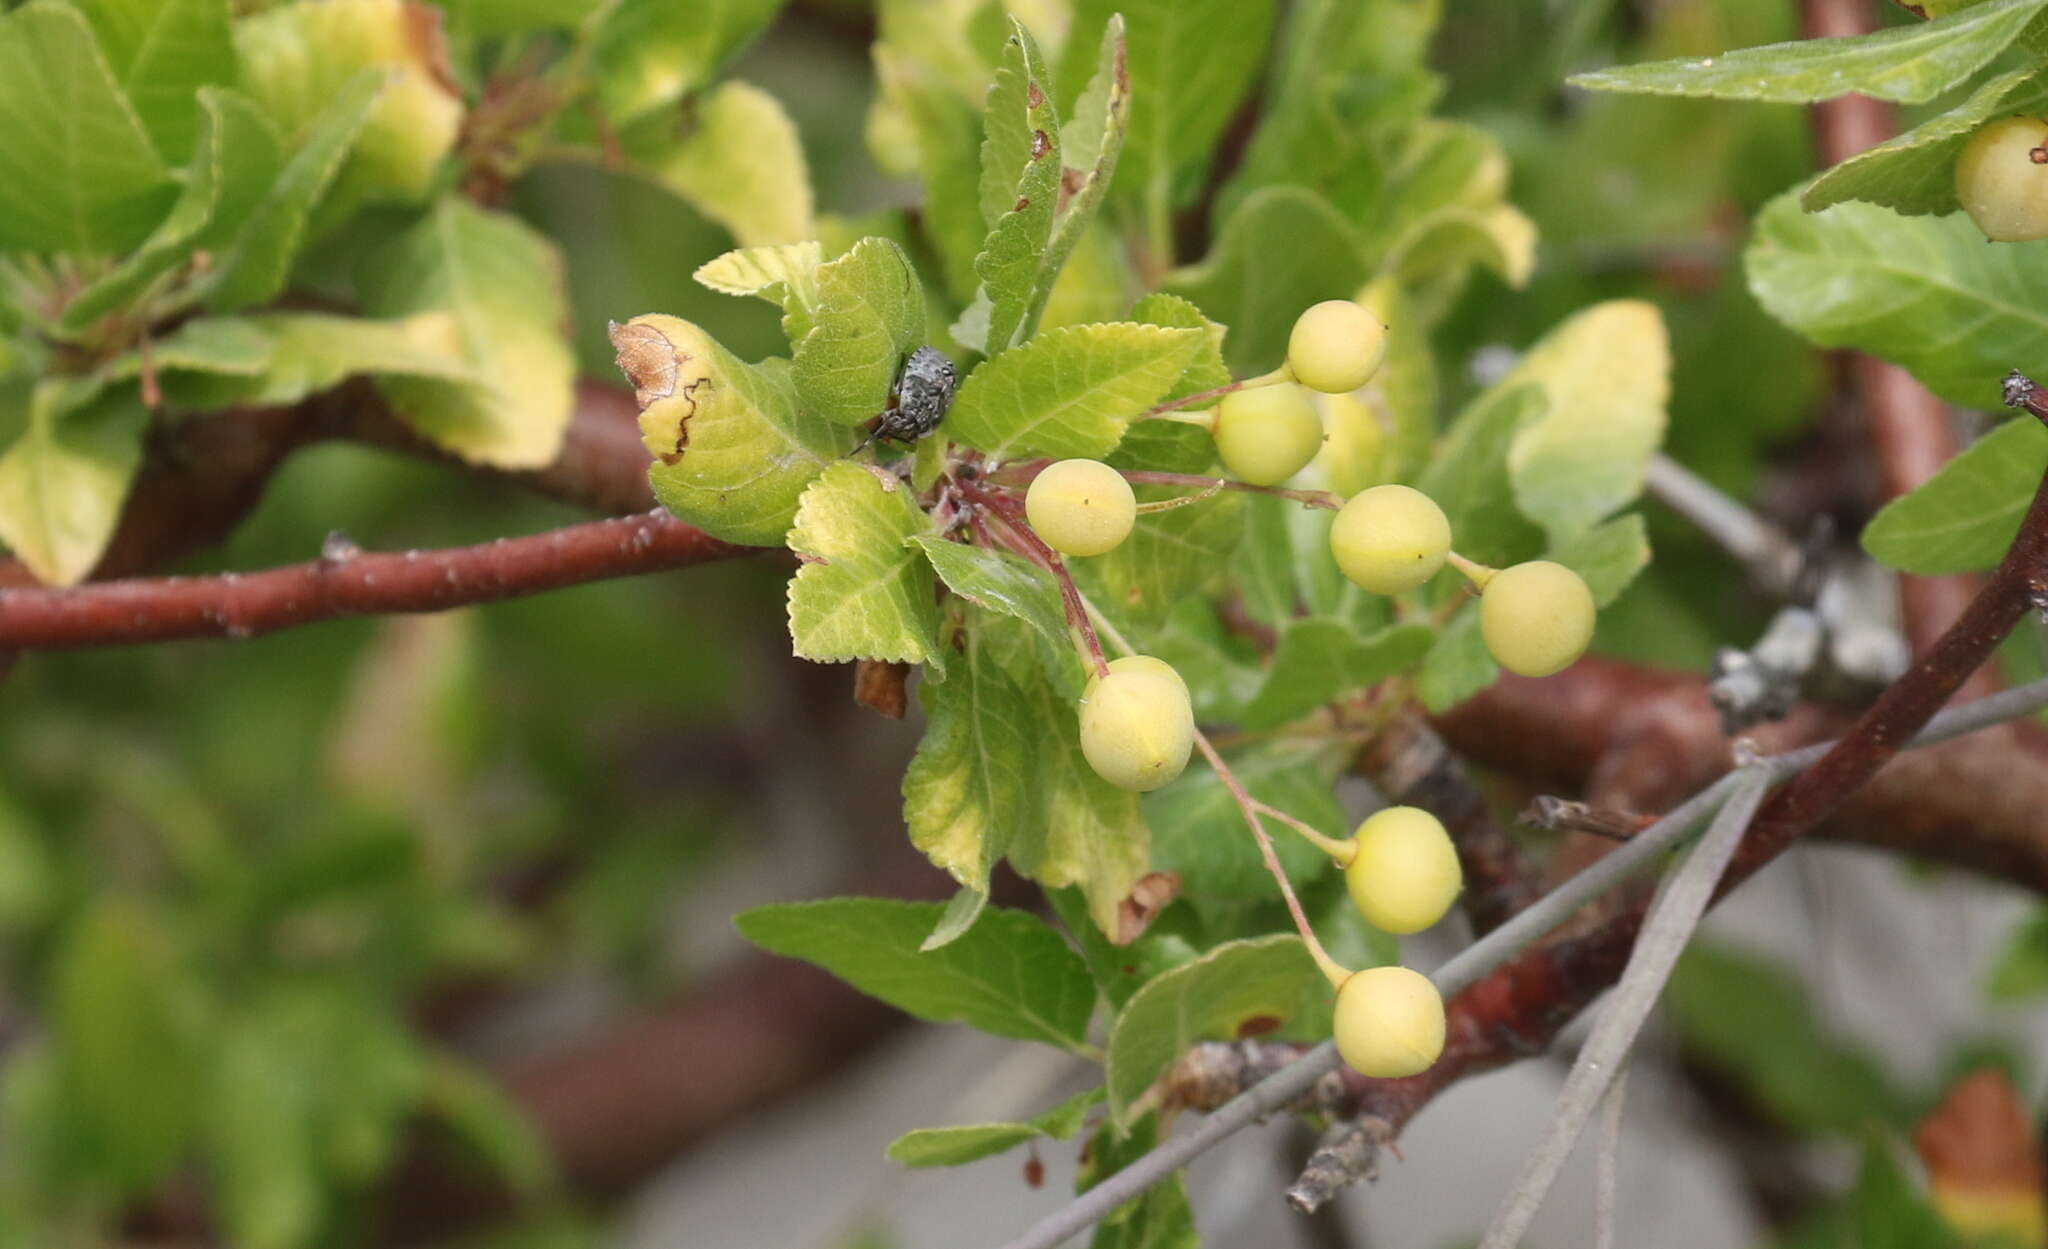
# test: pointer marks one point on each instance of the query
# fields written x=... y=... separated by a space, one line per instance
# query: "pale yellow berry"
x=1268 y=433
x=1404 y=872
x=1137 y=726
x=1336 y=346
x=1536 y=618
x=1390 y=1022
x=1081 y=507
x=1390 y=538
x=2002 y=179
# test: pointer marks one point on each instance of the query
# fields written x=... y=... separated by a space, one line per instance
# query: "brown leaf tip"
x=648 y=359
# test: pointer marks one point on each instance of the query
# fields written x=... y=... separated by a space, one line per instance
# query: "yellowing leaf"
x=500 y=285
x=64 y=479
x=739 y=162
x=1607 y=374
x=863 y=590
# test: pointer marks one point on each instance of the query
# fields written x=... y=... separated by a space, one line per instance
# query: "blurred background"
x=422 y=925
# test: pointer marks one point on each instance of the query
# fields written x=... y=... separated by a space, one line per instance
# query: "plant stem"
x=1340 y=852
x=1281 y=374
x=1478 y=574
x=1308 y=498
x=1022 y=540
x=1335 y=972
x=1250 y=807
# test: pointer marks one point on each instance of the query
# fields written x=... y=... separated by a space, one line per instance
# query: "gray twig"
x=1476 y=960
x=1667 y=930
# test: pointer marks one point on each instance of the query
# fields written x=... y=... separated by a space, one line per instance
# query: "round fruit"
x=1268 y=433
x=1390 y=1022
x=1137 y=726
x=1390 y=538
x=1336 y=346
x=1081 y=507
x=1403 y=873
x=2002 y=179
x=1536 y=618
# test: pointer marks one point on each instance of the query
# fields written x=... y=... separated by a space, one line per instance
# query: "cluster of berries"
x=1137 y=728
x=1136 y=720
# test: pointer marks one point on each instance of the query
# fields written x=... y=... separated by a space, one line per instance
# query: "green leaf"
x=125 y=1039
x=1468 y=475
x=1007 y=123
x=1069 y=392
x=77 y=170
x=1914 y=173
x=234 y=162
x=1169 y=556
x=501 y=283
x=738 y=160
x=486 y=18
x=1924 y=292
x=862 y=590
x=734 y=456
x=869 y=316
x=1320 y=659
x=266 y=1182
x=274 y=359
x=1746 y=1018
x=1208 y=999
x=966 y=907
x=1009 y=975
x=1607 y=374
x=974 y=780
x=1159 y=1219
x=2022 y=967
x=163 y=52
x=1202 y=835
x=1174 y=446
x=786 y=276
x=1093 y=141
x=1000 y=582
x=63 y=481
x=1964 y=517
x=1608 y=556
x=257 y=259
x=940 y=142
x=1458 y=666
x=648 y=53
x=1207 y=370
x=484 y=1116
x=956 y=1146
x=1349 y=75
x=1910 y=63
x=1012 y=262
x=1257 y=287
x=1090 y=833
x=298 y=57
x=1190 y=64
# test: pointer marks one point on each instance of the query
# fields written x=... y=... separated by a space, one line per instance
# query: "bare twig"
x=243 y=605
x=1666 y=931
x=1771 y=557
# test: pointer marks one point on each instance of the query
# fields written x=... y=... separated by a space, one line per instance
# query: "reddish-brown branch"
x=161 y=609
x=1908 y=425
x=202 y=475
x=1974 y=803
